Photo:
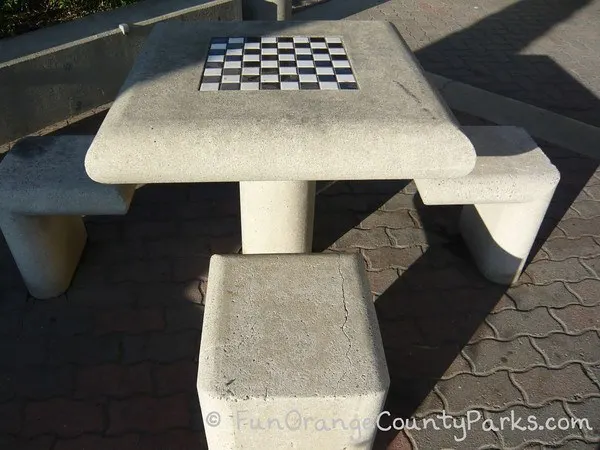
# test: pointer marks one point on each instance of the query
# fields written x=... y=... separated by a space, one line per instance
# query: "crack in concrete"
x=345 y=320
x=415 y=98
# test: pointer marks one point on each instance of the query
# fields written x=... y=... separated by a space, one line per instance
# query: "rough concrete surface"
x=287 y=334
x=113 y=362
x=311 y=135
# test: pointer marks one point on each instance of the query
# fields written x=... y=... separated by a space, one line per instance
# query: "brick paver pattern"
x=542 y=52
x=112 y=363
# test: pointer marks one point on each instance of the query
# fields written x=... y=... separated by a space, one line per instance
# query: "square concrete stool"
x=505 y=199
x=291 y=354
x=44 y=191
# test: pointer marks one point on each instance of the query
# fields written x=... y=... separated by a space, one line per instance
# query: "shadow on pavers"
x=345 y=205
x=430 y=313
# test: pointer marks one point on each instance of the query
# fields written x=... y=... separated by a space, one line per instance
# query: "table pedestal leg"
x=277 y=216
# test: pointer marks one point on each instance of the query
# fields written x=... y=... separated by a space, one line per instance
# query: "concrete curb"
x=551 y=127
x=50 y=75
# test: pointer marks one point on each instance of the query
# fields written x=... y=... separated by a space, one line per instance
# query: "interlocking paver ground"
x=113 y=362
x=542 y=52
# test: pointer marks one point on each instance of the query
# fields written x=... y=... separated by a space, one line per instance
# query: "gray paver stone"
x=543 y=385
x=466 y=391
x=510 y=324
x=490 y=355
x=560 y=348
x=528 y=297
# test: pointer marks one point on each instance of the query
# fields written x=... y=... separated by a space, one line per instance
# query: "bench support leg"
x=500 y=236
x=46 y=249
x=277 y=216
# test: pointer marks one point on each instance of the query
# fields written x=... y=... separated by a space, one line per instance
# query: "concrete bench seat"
x=506 y=198
x=288 y=340
x=44 y=191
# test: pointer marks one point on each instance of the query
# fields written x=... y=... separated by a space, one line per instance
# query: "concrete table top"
x=360 y=108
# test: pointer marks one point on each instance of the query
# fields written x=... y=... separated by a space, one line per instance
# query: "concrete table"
x=276 y=106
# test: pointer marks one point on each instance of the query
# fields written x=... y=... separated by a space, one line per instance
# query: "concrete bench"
x=505 y=197
x=291 y=354
x=44 y=191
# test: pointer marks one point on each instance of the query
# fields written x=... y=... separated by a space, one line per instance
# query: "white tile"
x=209 y=87
x=341 y=64
x=268 y=40
x=285 y=45
x=346 y=78
x=287 y=58
x=287 y=71
x=234 y=52
x=232 y=64
x=250 y=71
x=328 y=85
x=216 y=58
x=321 y=57
x=253 y=86
x=218 y=46
x=269 y=64
x=251 y=57
x=303 y=51
x=269 y=51
x=212 y=72
x=252 y=45
x=333 y=40
x=236 y=40
x=231 y=79
x=304 y=78
x=290 y=86
x=337 y=51
x=324 y=70
x=269 y=78
x=306 y=63
x=301 y=39
x=318 y=45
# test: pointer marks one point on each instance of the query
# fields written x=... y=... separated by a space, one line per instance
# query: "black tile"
x=232 y=71
x=302 y=45
x=213 y=65
x=270 y=86
x=234 y=46
x=307 y=71
x=216 y=52
x=229 y=87
x=289 y=78
x=233 y=58
x=253 y=40
x=269 y=45
x=317 y=39
x=335 y=45
x=252 y=51
x=343 y=71
x=346 y=85
x=304 y=57
x=323 y=64
x=320 y=51
x=309 y=86
x=285 y=39
x=211 y=79
x=286 y=51
x=250 y=78
x=269 y=71
x=340 y=57
x=269 y=57
x=326 y=78
x=287 y=63
x=251 y=63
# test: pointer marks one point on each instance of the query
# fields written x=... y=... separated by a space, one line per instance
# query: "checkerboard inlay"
x=277 y=63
